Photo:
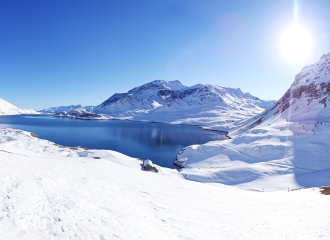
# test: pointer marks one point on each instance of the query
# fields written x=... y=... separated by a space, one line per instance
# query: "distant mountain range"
x=170 y=101
x=7 y=108
x=53 y=110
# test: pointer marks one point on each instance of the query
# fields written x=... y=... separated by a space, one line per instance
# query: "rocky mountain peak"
x=161 y=96
x=306 y=100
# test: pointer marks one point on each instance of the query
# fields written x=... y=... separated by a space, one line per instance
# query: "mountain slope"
x=7 y=108
x=285 y=146
x=169 y=101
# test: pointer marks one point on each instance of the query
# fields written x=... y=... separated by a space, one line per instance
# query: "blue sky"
x=81 y=52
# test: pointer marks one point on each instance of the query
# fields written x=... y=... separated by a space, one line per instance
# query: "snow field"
x=49 y=192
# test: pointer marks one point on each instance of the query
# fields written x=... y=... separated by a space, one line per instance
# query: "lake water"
x=156 y=141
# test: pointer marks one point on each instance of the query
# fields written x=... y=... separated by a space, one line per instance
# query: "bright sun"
x=296 y=43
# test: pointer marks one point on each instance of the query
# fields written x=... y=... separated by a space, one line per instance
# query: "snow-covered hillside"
x=285 y=146
x=169 y=101
x=7 y=108
x=53 y=110
x=55 y=192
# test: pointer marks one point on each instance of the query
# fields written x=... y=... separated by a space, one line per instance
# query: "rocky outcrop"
x=79 y=113
x=148 y=165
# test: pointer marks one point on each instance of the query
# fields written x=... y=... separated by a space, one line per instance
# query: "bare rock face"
x=312 y=83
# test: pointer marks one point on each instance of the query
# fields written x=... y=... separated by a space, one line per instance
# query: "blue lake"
x=156 y=141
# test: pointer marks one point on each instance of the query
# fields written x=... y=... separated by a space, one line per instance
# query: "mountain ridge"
x=169 y=92
x=206 y=105
x=172 y=102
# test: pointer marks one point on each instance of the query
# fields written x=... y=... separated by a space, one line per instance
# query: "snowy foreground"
x=54 y=192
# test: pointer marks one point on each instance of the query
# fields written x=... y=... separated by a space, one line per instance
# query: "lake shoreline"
x=133 y=120
x=157 y=141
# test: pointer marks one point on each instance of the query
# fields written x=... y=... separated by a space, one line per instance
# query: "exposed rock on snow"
x=285 y=146
x=148 y=165
x=7 y=108
x=49 y=192
x=170 y=101
x=53 y=110
x=180 y=162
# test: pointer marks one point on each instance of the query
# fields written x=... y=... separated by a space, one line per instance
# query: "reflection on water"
x=156 y=141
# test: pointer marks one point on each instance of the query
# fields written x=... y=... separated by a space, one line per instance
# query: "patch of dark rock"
x=85 y=148
x=324 y=101
x=34 y=135
x=83 y=115
x=96 y=157
x=148 y=168
x=325 y=190
x=178 y=164
x=71 y=148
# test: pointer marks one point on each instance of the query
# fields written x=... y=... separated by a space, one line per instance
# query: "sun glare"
x=296 y=43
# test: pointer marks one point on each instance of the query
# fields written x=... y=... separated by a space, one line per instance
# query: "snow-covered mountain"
x=7 y=108
x=169 y=101
x=53 y=110
x=306 y=100
x=285 y=146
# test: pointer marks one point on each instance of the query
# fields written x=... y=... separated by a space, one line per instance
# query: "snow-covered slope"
x=53 y=110
x=285 y=146
x=7 y=108
x=169 y=101
x=53 y=192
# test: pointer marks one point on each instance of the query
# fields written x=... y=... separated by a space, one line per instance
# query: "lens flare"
x=296 y=43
